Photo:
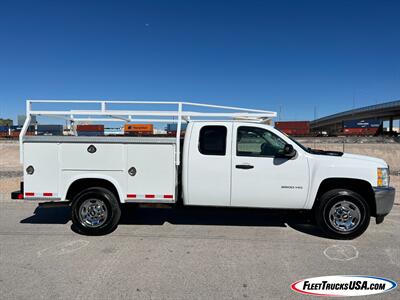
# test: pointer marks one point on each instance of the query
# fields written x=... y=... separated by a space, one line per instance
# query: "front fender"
x=323 y=168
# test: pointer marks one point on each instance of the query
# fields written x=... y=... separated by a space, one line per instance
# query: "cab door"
x=262 y=179
x=207 y=174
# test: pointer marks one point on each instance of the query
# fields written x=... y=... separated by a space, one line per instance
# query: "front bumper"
x=384 y=199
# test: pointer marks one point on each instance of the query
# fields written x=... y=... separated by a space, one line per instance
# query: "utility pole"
x=315 y=123
x=315 y=112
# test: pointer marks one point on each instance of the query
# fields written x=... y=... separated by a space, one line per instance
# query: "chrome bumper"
x=384 y=199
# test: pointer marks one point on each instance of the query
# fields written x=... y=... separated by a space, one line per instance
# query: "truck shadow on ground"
x=191 y=216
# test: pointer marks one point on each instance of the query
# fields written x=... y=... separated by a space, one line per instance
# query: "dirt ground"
x=11 y=170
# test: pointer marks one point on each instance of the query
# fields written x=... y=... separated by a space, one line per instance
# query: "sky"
x=294 y=57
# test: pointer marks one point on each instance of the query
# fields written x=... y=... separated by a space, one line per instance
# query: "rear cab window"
x=212 y=140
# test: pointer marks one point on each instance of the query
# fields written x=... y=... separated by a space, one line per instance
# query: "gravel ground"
x=10 y=168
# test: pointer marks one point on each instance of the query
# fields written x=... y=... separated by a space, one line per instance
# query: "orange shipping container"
x=144 y=128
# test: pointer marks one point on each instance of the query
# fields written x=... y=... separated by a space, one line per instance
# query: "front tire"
x=95 y=211
x=342 y=214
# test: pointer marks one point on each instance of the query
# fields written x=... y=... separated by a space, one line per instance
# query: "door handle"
x=245 y=167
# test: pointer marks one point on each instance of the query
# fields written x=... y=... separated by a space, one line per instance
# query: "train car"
x=90 y=130
x=97 y=128
x=364 y=127
x=90 y=133
x=31 y=128
x=173 y=127
x=14 y=131
x=50 y=130
x=4 y=131
x=294 y=128
x=15 y=134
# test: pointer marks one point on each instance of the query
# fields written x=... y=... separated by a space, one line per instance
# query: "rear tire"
x=95 y=211
x=342 y=214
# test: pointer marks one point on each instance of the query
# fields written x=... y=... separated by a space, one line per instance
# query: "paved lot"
x=182 y=254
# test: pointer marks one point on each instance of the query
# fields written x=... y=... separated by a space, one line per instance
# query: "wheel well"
x=80 y=184
x=359 y=186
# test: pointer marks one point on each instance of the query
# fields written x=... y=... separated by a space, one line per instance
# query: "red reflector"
x=131 y=195
x=29 y=194
x=47 y=194
x=20 y=196
x=168 y=196
x=149 y=196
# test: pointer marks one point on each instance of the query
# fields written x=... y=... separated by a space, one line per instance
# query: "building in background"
x=21 y=120
x=6 y=122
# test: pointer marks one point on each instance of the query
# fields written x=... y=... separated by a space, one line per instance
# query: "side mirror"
x=288 y=151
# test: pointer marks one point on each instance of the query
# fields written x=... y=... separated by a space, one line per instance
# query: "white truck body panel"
x=46 y=177
x=155 y=175
x=116 y=178
x=60 y=161
x=75 y=157
x=207 y=178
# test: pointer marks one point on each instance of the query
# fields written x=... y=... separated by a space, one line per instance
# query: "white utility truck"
x=228 y=157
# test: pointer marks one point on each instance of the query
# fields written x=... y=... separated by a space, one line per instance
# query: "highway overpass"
x=388 y=111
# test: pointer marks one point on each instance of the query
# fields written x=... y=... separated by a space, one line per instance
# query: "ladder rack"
x=177 y=114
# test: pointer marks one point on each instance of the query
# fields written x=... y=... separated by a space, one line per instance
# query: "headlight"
x=383 y=177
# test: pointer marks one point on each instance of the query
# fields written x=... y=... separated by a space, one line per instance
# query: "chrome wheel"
x=93 y=213
x=344 y=216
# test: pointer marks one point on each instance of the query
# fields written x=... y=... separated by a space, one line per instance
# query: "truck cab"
x=255 y=165
x=243 y=164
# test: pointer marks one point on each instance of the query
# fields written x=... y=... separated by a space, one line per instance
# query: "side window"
x=212 y=140
x=254 y=141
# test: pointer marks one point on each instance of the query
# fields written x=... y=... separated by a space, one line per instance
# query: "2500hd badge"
x=291 y=187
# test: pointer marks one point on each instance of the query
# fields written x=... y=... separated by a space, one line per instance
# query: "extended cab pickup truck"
x=236 y=160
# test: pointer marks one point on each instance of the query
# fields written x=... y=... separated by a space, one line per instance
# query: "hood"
x=378 y=161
